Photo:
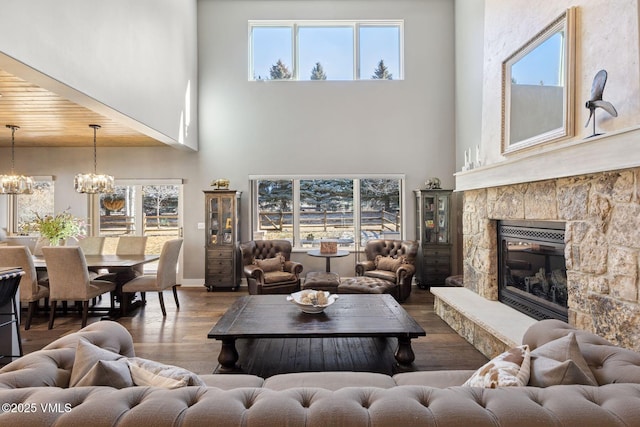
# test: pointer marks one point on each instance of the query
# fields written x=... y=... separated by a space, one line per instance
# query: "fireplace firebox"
x=532 y=275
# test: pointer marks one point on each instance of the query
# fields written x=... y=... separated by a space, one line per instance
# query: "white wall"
x=606 y=38
x=137 y=58
x=292 y=127
x=469 y=33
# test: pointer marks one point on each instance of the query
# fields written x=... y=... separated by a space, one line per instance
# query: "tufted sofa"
x=395 y=249
x=283 y=280
x=34 y=392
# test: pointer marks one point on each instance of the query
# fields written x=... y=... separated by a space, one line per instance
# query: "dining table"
x=106 y=262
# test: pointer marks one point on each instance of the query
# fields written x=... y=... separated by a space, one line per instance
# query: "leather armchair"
x=283 y=279
x=402 y=274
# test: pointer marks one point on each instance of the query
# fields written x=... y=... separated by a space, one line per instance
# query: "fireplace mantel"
x=607 y=152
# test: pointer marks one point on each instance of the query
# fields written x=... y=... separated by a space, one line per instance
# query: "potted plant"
x=59 y=227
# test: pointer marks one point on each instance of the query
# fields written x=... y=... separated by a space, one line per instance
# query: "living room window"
x=326 y=50
x=305 y=210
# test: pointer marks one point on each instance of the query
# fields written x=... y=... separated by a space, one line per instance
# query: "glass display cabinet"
x=433 y=229
x=222 y=209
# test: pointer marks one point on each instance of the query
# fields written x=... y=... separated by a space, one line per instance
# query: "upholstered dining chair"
x=31 y=291
x=131 y=245
x=92 y=245
x=164 y=278
x=268 y=267
x=69 y=280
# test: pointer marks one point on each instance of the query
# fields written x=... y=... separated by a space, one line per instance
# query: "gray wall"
x=293 y=127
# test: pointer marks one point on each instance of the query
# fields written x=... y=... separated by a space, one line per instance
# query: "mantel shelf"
x=607 y=152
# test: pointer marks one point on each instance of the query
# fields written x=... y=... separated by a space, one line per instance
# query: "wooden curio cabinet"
x=433 y=229
x=222 y=209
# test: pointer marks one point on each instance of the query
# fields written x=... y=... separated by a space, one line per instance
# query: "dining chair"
x=69 y=279
x=31 y=291
x=164 y=278
x=131 y=245
x=92 y=245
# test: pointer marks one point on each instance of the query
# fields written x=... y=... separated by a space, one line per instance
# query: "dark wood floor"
x=181 y=338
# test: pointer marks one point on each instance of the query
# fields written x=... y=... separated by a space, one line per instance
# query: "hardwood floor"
x=181 y=338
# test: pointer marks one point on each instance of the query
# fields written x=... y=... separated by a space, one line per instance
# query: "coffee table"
x=272 y=316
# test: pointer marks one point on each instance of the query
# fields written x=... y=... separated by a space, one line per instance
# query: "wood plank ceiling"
x=49 y=120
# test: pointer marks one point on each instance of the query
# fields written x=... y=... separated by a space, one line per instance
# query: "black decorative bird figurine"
x=596 y=100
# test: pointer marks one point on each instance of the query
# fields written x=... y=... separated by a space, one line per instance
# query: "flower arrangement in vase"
x=59 y=227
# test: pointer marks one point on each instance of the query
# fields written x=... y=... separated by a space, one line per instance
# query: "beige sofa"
x=34 y=391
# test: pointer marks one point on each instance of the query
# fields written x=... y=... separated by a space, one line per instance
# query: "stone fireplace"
x=601 y=212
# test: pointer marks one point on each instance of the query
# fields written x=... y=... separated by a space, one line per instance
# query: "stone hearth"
x=602 y=215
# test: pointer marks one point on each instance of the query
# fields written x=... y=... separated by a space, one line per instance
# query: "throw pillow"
x=114 y=373
x=388 y=263
x=269 y=265
x=508 y=369
x=87 y=355
x=151 y=373
x=560 y=362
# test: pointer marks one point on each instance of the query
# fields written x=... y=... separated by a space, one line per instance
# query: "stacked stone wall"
x=602 y=244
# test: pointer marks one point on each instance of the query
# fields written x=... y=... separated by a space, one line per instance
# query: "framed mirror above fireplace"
x=532 y=272
x=538 y=87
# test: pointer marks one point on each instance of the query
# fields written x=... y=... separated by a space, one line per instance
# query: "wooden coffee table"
x=272 y=316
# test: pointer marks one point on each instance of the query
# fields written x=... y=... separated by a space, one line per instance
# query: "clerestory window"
x=326 y=50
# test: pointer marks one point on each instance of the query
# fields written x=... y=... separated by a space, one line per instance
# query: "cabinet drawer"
x=437 y=269
x=219 y=254
x=437 y=261
x=219 y=263
x=219 y=280
x=220 y=269
x=436 y=252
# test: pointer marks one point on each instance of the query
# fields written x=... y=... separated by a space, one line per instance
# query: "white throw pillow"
x=508 y=369
x=151 y=373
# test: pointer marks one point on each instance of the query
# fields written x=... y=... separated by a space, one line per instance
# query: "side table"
x=317 y=253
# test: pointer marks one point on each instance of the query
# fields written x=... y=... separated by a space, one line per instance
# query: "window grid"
x=298 y=236
x=355 y=25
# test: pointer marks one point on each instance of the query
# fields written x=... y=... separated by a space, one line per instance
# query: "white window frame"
x=254 y=215
x=354 y=24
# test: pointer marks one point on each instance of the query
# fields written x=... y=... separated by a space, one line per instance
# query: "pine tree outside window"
x=326 y=50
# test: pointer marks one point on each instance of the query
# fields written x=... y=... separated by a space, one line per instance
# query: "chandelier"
x=93 y=183
x=15 y=184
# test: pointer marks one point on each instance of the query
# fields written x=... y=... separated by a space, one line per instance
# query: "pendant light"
x=15 y=184
x=93 y=183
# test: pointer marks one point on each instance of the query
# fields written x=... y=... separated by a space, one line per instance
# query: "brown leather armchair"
x=268 y=267
x=396 y=263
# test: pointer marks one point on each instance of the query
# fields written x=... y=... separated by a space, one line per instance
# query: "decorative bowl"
x=297 y=297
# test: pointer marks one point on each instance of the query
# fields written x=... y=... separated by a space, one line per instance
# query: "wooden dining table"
x=97 y=262
x=105 y=261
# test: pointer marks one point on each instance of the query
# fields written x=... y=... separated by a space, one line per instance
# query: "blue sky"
x=541 y=64
x=332 y=46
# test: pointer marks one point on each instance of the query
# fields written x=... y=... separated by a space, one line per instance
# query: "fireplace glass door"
x=532 y=268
